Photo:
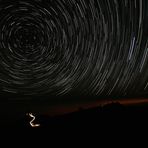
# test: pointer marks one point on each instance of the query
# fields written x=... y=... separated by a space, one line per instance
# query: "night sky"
x=71 y=48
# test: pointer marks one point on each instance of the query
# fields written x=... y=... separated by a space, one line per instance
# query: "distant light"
x=31 y=122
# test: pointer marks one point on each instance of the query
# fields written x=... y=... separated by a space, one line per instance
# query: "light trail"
x=33 y=119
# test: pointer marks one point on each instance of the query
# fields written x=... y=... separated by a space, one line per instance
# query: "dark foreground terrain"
x=105 y=117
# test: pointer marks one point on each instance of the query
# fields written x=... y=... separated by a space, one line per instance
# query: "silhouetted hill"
x=110 y=114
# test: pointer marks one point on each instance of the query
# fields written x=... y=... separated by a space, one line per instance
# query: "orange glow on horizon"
x=64 y=109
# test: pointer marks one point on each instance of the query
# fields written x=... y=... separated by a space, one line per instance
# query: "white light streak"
x=32 y=120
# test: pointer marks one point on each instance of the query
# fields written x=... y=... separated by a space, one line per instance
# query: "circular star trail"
x=59 y=47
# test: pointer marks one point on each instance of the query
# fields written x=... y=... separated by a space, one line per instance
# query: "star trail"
x=60 y=47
